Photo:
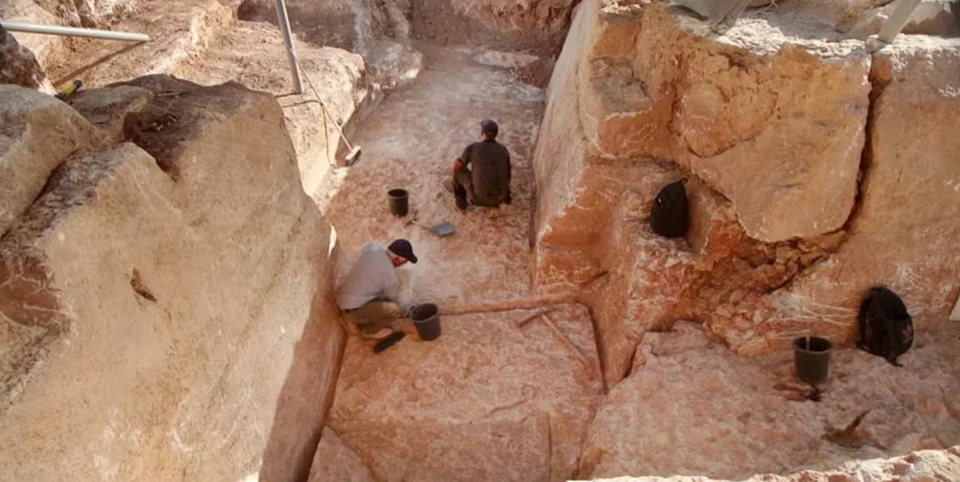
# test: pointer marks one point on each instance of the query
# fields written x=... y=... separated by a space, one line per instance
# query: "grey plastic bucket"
x=812 y=358
x=399 y=202
x=426 y=318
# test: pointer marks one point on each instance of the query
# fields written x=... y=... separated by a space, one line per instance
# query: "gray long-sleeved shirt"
x=372 y=277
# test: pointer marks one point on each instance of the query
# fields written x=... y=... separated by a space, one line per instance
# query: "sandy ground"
x=410 y=142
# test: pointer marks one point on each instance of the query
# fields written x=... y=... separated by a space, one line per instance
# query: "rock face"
x=894 y=238
x=377 y=30
x=758 y=419
x=38 y=133
x=19 y=66
x=486 y=401
x=107 y=109
x=72 y=13
x=861 y=18
x=930 y=17
x=923 y=465
x=179 y=30
x=335 y=461
x=164 y=305
x=777 y=129
x=778 y=245
x=340 y=77
x=537 y=25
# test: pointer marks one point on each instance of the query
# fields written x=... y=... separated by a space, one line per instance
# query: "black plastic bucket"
x=812 y=358
x=399 y=202
x=427 y=320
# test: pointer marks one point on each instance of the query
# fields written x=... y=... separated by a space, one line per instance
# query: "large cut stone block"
x=37 y=132
x=905 y=234
x=19 y=66
x=190 y=325
x=108 y=108
x=777 y=126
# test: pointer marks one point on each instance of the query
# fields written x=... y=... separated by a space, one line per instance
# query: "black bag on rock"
x=670 y=216
x=886 y=329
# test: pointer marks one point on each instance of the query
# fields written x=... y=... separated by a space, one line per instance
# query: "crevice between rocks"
x=878 y=85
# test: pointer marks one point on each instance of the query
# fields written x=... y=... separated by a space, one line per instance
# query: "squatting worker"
x=488 y=184
x=369 y=296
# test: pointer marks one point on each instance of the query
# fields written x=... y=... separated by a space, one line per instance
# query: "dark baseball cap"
x=489 y=126
x=403 y=249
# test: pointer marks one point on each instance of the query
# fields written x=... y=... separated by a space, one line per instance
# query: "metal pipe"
x=74 y=32
x=898 y=19
x=284 y=21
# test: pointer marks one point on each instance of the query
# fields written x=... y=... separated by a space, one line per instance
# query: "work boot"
x=461 y=204
x=380 y=335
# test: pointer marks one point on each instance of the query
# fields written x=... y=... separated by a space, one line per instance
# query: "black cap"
x=403 y=249
x=489 y=126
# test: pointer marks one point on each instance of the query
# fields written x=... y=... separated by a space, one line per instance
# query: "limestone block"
x=776 y=126
x=108 y=108
x=920 y=465
x=30 y=11
x=189 y=27
x=97 y=13
x=188 y=308
x=19 y=66
x=486 y=401
x=535 y=26
x=394 y=64
x=335 y=23
x=930 y=17
x=335 y=461
x=723 y=416
x=37 y=132
x=897 y=238
x=340 y=77
x=541 y=16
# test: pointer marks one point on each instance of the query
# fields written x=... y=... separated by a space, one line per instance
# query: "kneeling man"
x=369 y=296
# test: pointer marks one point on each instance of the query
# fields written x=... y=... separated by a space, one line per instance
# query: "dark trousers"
x=462 y=184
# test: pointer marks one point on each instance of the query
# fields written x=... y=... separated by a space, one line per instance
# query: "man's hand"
x=457 y=165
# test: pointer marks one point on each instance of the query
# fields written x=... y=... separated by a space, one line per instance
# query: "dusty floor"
x=489 y=400
x=410 y=142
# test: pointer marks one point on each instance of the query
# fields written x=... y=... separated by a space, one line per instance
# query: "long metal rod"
x=284 y=22
x=898 y=19
x=74 y=32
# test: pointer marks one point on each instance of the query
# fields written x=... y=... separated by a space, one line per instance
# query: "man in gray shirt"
x=369 y=295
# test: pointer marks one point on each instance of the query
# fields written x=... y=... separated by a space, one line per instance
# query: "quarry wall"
x=804 y=155
x=164 y=306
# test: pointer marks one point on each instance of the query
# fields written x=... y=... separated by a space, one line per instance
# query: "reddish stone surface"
x=486 y=390
x=178 y=329
x=723 y=416
x=756 y=284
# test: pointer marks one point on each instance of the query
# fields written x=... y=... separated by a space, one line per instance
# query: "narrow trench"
x=443 y=105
